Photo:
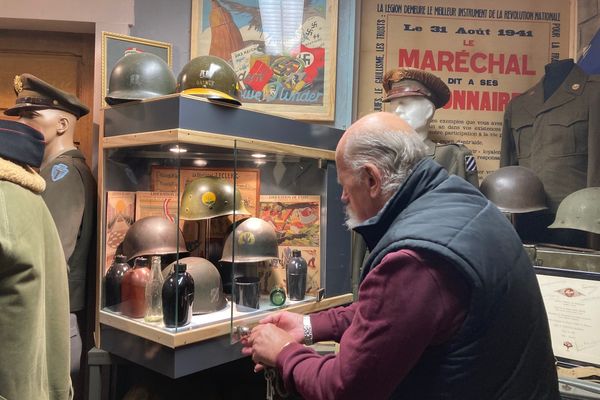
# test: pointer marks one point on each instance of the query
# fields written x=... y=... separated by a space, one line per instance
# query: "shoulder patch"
x=470 y=164
x=59 y=171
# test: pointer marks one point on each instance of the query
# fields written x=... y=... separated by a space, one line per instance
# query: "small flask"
x=178 y=297
x=296 y=276
x=112 y=282
x=133 y=289
x=154 y=292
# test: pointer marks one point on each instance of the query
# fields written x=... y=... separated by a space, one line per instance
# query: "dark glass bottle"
x=178 y=297
x=112 y=282
x=296 y=276
x=133 y=289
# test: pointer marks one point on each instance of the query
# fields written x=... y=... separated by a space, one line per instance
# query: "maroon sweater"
x=407 y=303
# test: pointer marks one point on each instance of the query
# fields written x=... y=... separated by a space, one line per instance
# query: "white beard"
x=351 y=218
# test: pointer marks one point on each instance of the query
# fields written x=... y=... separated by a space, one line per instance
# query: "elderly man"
x=448 y=307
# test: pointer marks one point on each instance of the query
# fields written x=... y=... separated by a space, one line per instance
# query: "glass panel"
x=234 y=217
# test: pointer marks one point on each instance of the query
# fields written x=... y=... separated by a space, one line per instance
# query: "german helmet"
x=252 y=240
x=580 y=210
x=209 y=197
x=514 y=189
x=208 y=288
x=210 y=77
x=153 y=236
x=138 y=76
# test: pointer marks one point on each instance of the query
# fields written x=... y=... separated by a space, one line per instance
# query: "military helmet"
x=515 y=189
x=208 y=288
x=210 y=77
x=580 y=210
x=209 y=197
x=255 y=240
x=138 y=76
x=153 y=236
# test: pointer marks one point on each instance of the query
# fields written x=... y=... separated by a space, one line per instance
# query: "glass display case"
x=212 y=216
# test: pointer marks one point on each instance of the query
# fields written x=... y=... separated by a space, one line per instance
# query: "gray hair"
x=394 y=153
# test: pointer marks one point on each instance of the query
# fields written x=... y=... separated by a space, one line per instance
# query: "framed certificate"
x=572 y=301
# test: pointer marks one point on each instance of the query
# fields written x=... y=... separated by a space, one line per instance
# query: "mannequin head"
x=57 y=126
x=48 y=109
x=414 y=95
x=417 y=111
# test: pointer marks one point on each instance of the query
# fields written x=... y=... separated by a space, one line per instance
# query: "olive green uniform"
x=559 y=139
x=457 y=159
x=34 y=322
x=71 y=198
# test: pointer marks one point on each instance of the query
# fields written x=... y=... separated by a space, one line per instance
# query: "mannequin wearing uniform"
x=414 y=95
x=70 y=190
x=553 y=129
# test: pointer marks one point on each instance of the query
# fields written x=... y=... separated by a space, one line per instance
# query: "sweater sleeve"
x=405 y=305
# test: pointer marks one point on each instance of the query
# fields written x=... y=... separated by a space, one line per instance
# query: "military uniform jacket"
x=559 y=138
x=34 y=321
x=71 y=198
x=457 y=159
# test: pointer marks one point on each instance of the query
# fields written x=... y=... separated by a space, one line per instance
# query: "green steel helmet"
x=210 y=77
x=255 y=240
x=208 y=288
x=580 y=210
x=138 y=76
x=515 y=189
x=209 y=197
x=153 y=236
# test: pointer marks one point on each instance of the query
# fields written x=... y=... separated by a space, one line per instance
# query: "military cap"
x=35 y=94
x=21 y=143
x=401 y=82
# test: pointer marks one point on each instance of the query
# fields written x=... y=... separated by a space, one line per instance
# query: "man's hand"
x=265 y=343
x=289 y=322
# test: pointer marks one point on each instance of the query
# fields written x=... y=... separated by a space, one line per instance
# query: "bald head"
x=377 y=124
x=385 y=141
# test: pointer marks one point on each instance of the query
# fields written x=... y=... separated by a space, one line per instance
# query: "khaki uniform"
x=559 y=139
x=457 y=159
x=34 y=321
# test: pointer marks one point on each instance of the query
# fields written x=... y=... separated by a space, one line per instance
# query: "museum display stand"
x=193 y=171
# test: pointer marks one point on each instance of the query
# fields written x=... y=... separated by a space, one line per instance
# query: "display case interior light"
x=199 y=162
x=177 y=149
x=259 y=155
x=282 y=25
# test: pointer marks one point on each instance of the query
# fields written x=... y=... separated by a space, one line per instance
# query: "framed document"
x=572 y=301
x=284 y=51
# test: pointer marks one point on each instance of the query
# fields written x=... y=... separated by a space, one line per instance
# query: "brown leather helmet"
x=255 y=240
x=153 y=236
x=208 y=288
x=515 y=189
x=580 y=210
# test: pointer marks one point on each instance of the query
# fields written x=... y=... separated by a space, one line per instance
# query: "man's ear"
x=373 y=176
x=62 y=125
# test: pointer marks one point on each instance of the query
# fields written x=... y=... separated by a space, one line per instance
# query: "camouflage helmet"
x=255 y=240
x=138 y=76
x=210 y=77
x=153 y=236
x=209 y=197
x=515 y=189
x=208 y=289
x=580 y=210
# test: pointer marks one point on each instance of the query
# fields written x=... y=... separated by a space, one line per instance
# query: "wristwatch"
x=308 y=335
